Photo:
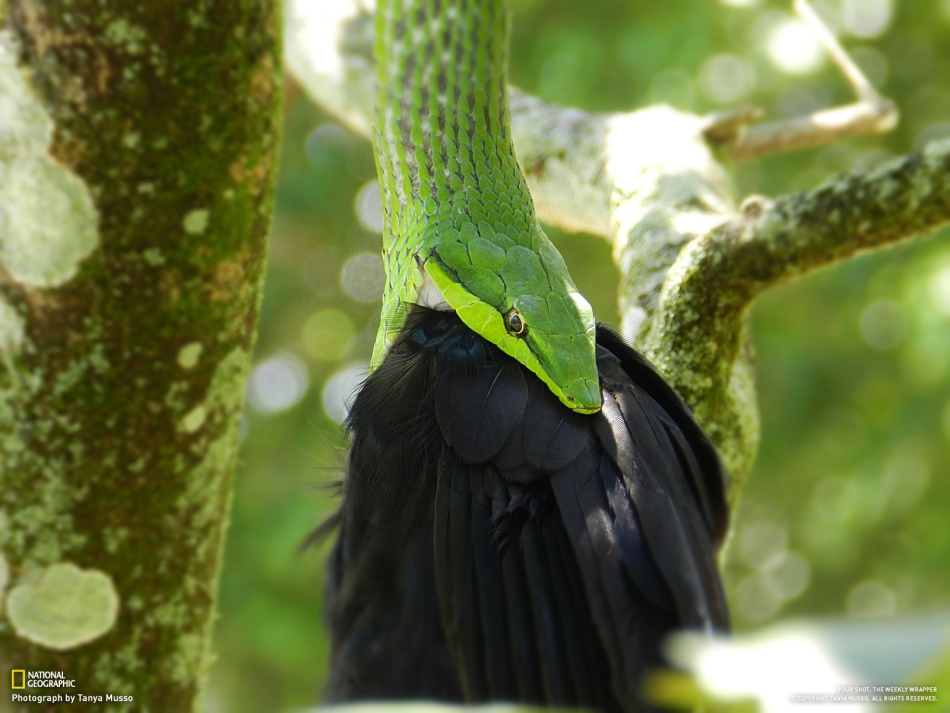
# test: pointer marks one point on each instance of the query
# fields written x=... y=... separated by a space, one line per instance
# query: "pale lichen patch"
x=24 y=125
x=4 y=578
x=62 y=606
x=153 y=257
x=48 y=222
x=189 y=355
x=196 y=221
x=198 y=502
x=194 y=419
x=171 y=615
x=11 y=329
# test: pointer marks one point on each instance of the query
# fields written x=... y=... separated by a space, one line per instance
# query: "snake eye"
x=514 y=323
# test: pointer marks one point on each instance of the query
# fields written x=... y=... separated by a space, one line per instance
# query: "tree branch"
x=771 y=242
x=698 y=337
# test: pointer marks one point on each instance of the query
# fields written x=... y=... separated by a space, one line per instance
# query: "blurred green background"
x=847 y=511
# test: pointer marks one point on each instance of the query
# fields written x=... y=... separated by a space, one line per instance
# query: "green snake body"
x=460 y=230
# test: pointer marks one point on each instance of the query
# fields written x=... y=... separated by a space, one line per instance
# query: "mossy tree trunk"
x=136 y=177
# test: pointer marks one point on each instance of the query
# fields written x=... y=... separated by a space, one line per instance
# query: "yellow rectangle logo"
x=13 y=674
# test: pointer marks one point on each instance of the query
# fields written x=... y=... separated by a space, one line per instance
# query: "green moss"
x=4 y=578
x=198 y=503
x=45 y=521
x=126 y=36
x=68 y=377
x=113 y=538
x=153 y=256
x=175 y=396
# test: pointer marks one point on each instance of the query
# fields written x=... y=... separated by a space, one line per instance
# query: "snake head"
x=521 y=298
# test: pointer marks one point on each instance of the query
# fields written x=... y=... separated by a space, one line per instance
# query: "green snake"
x=460 y=231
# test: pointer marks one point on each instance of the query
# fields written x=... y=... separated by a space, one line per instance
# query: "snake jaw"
x=564 y=360
x=429 y=295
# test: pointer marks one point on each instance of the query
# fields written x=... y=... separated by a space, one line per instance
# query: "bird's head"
x=521 y=298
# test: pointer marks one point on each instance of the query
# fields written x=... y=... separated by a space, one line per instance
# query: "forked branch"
x=872 y=113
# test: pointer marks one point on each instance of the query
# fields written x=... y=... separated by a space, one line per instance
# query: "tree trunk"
x=136 y=182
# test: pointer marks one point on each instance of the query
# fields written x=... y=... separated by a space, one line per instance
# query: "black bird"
x=496 y=546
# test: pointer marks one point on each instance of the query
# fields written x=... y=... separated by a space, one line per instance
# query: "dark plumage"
x=495 y=545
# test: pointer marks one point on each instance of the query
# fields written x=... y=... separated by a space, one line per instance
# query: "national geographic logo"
x=21 y=678
x=48 y=687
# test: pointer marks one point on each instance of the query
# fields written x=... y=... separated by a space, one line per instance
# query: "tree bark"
x=136 y=177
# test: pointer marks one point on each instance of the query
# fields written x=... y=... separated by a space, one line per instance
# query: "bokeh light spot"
x=940 y=290
x=833 y=499
x=277 y=383
x=324 y=143
x=341 y=388
x=726 y=78
x=322 y=268
x=871 y=599
x=756 y=598
x=883 y=324
x=867 y=18
x=362 y=277
x=763 y=543
x=791 y=575
x=792 y=47
x=873 y=63
x=674 y=87
x=905 y=477
x=369 y=207
x=328 y=334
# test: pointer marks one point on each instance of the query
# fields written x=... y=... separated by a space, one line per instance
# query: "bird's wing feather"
x=514 y=612
x=704 y=469
x=588 y=534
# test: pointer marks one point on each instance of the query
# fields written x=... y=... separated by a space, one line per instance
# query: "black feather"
x=496 y=546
